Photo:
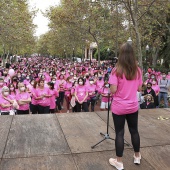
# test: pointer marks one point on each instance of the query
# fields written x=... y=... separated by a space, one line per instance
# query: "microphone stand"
x=106 y=136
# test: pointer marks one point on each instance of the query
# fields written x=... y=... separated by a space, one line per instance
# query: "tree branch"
x=147 y=9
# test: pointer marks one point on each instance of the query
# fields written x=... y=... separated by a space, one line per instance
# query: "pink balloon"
x=11 y=72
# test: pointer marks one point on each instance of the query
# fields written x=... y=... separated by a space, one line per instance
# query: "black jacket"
x=152 y=92
x=149 y=106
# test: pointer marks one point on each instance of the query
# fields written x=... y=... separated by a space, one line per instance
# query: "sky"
x=40 y=20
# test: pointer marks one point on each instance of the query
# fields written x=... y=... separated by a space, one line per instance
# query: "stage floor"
x=63 y=142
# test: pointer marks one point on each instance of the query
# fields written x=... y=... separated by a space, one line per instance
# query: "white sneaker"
x=137 y=159
x=117 y=165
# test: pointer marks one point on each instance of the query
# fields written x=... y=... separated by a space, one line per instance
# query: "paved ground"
x=63 y=142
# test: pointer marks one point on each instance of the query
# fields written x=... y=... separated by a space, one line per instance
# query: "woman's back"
x=125 y=80
x=125 y=100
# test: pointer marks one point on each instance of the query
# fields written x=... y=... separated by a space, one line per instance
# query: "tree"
x=74 y=22
x=16 y=29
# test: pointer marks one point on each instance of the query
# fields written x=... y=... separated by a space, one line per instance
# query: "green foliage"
x=105 y=52
x=16 y=28
x=76 y=23
x=160 y=68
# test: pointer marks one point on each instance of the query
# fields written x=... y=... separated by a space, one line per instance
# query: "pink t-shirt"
x=29 y=87
x=26 y=82
x=81 y=92
x=13 y=96
x=105 y=91
x=23 y=96
x=68 y=87
x=62 y=85
x=148 y=90
x=7 y=80
x=56 y=85
x=91 y=90
x=45 y=101
x=99 y=85
x=168 y=77
x=87 y=83
x=3 y=101
x=73 y=90
x=54 y=93
x=156 y=88
x=33 y=96
x=125 y=100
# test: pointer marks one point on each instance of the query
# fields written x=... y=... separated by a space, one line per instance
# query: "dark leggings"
x=82 y=106
x=34 y=109
x=58 y=103
x=61 y=96
x=119 y=123
x=22 y=112
x=67 y=98
x=52 y=110
x=92 y=101
x=44 y=109
x=5 y=113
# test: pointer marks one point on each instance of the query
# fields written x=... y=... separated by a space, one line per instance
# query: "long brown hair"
x=127 y=63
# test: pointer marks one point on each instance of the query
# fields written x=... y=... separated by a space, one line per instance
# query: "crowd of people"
x=154 y=89
x=40 y=85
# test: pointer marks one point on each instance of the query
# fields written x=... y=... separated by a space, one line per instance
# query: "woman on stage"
x=125 y=81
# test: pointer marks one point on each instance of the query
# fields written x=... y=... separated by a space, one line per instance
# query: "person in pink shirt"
x=5 y=101
x=95 y=77
x=15 y=81
x=125 y=80
x=57 y=89
x=168 y=76
x=2 y=83
x=23 y=99
x=62 y=83
x=75 y=84
x=99 y=84
x=81 y=94
x=106 y=96
x=27 y=80
x=54 y=94
x=87 y=79
x=6 y=77
x=68 y=87
x=91 y=94
x=12 y=91
x=43 y=97
x=34 y=101
x=30 y=85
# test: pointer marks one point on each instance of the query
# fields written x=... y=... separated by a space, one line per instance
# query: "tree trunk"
x=3 y=56
x=7 y=56
x=136 y=28
x=98 y=49
x=117 y=29
x=155 y=56
x=139 y=49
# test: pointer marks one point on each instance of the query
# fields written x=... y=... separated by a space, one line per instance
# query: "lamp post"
x=73 y=55
x=64 y=53
x=147 y=50
x=108 y=52
x=92 y=46
x=129 y=41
